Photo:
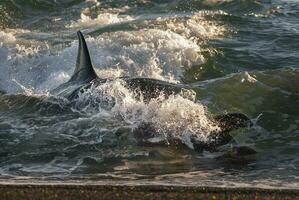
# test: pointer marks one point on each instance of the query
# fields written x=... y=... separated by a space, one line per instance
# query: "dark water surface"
x=242 y=56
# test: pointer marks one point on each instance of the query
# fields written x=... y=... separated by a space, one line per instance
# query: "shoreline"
x=70 y=191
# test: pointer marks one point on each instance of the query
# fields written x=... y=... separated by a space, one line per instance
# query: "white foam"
x=149 y=53
x=7 y=37
x=246 y=77
x=172 y=117
x=101 y=19
x=197 y=26
x=177 y=117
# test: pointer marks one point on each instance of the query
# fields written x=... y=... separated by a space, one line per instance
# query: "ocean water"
x=240 y=55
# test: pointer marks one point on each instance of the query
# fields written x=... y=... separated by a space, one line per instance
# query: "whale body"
x=85 y=76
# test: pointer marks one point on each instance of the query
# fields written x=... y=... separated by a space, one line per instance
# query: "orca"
x=85 y=76
x=226 y=122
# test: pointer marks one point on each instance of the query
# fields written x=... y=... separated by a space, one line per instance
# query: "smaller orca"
x=226 y=122
x=85 y=76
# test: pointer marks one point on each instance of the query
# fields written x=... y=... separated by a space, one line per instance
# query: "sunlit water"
x=241 y=56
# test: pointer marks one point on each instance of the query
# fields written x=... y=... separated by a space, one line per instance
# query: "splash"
x=101 y=19
x=197 y=27
x=27 y=91
x=173 y=117
x=149 y=53
x=246 y=77
x=7 y=37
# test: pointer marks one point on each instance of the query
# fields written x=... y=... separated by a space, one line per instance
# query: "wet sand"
x=48 y=191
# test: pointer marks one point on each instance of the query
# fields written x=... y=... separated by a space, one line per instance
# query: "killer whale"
x=84 y=77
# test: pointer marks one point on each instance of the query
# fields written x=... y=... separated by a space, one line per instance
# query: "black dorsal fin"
x=84 y=70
